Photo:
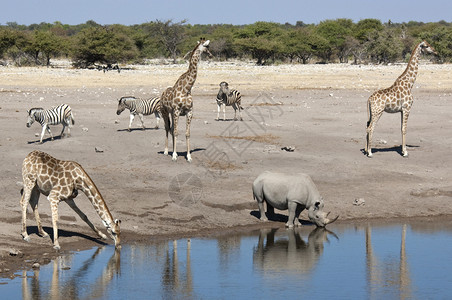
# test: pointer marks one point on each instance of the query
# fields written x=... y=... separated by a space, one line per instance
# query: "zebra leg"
x=235 y=111
x=218 y=112
x=62 y=131
x=132 y=116
x=187 y=134
x=224 y=112
x=142 y=121
x=48 y=130
x=157 y=116
x=44 y=127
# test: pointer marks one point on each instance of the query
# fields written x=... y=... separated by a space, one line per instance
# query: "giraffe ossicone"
x=60 y=180
x=397 y=98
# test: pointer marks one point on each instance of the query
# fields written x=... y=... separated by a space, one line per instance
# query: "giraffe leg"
x=26 y=194
x=142 y=121
x=132 y=116
x=175 y=117
x=187 y=134
x=405 y=115
x=53 y=200
x=34 y=199
x=370 y=129
x=166 y=120
x=72 y=204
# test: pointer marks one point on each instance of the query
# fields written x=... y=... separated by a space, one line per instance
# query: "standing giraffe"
x=177 y=100
x=397 y=98
x=60 y=180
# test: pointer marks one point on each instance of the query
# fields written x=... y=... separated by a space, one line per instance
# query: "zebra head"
x=31 y=115
x=122 y=104
x=224 y=88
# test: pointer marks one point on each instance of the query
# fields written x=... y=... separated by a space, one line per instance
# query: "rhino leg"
x=260 y=203
x=270 y=210
x=292 y=212
x=298 y=210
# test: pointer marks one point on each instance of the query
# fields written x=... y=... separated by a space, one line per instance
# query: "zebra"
x=228 y=98
x=140 y=107
x=61 y=114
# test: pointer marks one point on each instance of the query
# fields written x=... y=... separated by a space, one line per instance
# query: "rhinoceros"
x=293 y=192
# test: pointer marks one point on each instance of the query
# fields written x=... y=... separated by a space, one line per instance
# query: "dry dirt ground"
x=317 y=110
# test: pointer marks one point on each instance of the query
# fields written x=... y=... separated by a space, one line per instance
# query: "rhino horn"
x=328 y=221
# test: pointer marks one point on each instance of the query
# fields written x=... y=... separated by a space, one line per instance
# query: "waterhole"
x=354 y=261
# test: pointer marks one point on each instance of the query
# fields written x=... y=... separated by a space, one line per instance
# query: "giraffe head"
x=122 y=104
x=426 y=48
x=31 y=115
x=203 y=46
x=115 y=232
x=224 y=87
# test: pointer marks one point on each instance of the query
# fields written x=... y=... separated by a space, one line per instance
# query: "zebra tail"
x=72 y=118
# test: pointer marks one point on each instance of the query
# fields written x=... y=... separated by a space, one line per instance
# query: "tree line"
x=340 y=40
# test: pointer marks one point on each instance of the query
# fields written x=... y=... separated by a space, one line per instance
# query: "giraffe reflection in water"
x=385 y=274
x=74 y=285
x=177 y=283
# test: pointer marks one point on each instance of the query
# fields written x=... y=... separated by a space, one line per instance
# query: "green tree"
x=335 y=33
x=262 y=40
x=171 y=35
x=441 y=39
x=105 y=45
x=48 y=44
x=385 y=46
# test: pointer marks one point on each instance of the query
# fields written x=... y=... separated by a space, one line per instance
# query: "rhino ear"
x=317 y=205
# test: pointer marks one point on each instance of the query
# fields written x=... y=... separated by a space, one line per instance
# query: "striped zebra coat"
x=228 y=97
x=61 y=114
x=140 y=107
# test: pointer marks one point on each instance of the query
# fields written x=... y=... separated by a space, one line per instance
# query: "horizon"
x=233 y=12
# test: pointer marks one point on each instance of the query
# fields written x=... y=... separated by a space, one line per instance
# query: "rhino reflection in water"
x=292 y=254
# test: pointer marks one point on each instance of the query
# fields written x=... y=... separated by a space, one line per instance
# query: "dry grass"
x=266 y=104
x=264 y=138
x=219 y=165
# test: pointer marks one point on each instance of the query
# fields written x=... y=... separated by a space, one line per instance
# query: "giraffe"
x=397 y=98
x=60 y=180
x=177 y=100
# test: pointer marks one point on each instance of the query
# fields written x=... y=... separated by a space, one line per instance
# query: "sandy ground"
x=319 y=110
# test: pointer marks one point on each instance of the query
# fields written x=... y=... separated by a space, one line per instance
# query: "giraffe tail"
x=369 y=115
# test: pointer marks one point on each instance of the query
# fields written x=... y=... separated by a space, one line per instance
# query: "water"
x=392 y=261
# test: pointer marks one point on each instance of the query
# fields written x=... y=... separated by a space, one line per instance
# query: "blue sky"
x=235 y=12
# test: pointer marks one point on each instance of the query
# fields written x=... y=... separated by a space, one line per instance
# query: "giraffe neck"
x=408 y=77
x=187 y=80
x=96 y=199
